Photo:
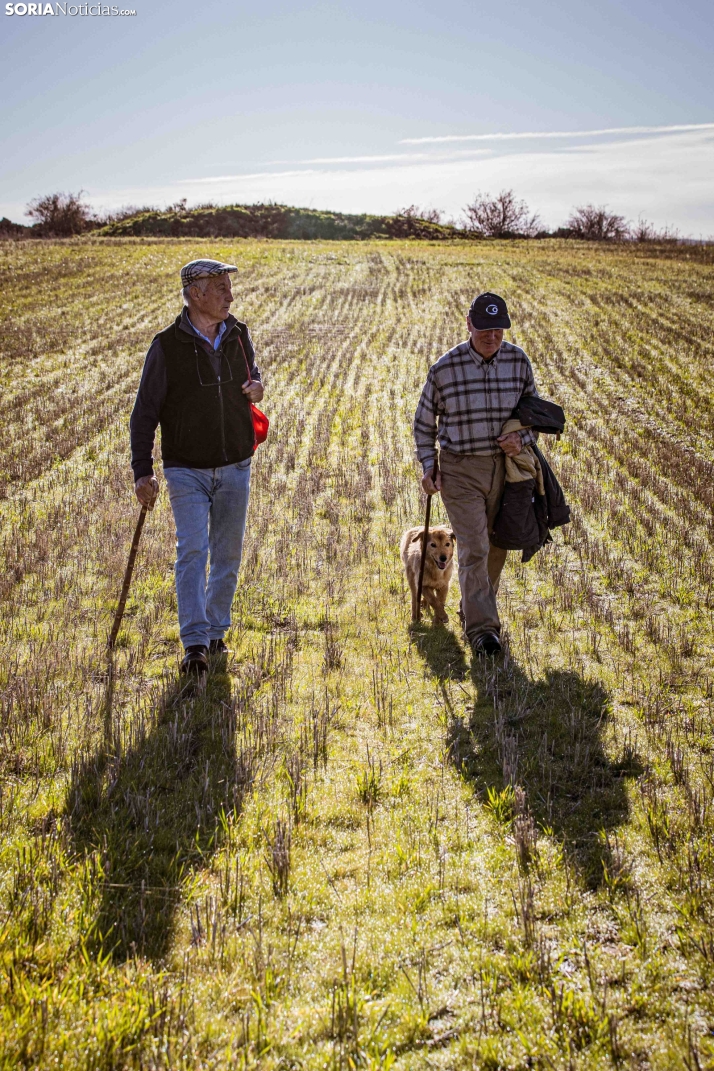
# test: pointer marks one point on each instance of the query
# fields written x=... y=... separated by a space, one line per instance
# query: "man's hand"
x=511 y=444
x=146 y=489
x=429 y=485
x=254 y=390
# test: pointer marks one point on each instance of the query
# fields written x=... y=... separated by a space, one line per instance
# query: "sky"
x=365 y=107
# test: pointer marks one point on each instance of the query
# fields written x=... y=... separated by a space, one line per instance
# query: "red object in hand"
x=261 y=424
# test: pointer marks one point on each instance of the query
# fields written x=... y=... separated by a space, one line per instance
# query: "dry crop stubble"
x=353 y=851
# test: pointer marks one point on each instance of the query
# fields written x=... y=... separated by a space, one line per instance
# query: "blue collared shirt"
x=221 y=332
x=153 y=389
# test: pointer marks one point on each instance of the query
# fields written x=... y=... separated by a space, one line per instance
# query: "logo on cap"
x=492 y=310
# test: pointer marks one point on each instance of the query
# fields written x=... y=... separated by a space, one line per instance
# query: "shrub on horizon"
x=593 y=223
x=503 y=216
x=60 y=215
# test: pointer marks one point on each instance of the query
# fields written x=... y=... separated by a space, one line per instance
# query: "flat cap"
x=203 y=269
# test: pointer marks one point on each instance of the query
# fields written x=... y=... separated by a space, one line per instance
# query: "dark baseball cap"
x=488 y=311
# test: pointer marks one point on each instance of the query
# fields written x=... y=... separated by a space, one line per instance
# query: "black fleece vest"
x=205 y=420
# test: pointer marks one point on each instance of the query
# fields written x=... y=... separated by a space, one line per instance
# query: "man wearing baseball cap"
x=469 y=394
x=198 y=382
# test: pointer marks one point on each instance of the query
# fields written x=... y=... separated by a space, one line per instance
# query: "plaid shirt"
x=472 y=400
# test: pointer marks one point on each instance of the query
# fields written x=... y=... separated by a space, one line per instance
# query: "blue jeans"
x=209 y=507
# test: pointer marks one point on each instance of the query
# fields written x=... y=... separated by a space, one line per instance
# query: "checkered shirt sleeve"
x=466 y=401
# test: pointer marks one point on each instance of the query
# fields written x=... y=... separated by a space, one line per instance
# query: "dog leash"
x=424 y=541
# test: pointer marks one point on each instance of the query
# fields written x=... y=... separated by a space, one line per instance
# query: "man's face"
x=217 y=299
x=485 y=342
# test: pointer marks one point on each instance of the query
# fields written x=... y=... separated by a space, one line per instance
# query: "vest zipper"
x=223 y=422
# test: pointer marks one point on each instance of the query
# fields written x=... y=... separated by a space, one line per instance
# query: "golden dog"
x=437 y=570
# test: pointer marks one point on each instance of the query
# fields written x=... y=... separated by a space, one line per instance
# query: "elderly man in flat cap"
x=198 y=382
x=469 y=394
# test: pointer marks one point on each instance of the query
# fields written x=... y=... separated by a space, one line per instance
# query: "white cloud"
x=397 y=157
x=666 y=178
x=536 y=134
x=401 y=158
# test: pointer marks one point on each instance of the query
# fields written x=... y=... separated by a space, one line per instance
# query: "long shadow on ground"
x=153 y=809
x=546 y=736
x=440 y=649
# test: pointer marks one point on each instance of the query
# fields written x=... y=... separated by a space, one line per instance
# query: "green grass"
x=356 y=848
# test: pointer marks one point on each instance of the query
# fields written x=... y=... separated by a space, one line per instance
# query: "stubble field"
x=356 y=850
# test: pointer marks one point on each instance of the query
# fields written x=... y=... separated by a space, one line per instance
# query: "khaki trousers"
x=471 y=489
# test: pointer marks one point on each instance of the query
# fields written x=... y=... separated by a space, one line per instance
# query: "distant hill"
x=65 y=215
x=273 y=221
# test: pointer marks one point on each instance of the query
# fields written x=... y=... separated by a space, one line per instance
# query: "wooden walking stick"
x=424 y=541
x=127 y=576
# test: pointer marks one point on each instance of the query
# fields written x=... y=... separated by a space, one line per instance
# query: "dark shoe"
x=487 y=644
x=195 y=660
x=217 y=647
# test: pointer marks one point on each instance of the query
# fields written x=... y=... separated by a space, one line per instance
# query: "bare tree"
x=503 y=216
x=597 y=224
x=644 y=231
x=429 y=215
x=61 y=214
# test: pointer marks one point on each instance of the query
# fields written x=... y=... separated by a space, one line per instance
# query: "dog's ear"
x=453 y=536
x=417 y=537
